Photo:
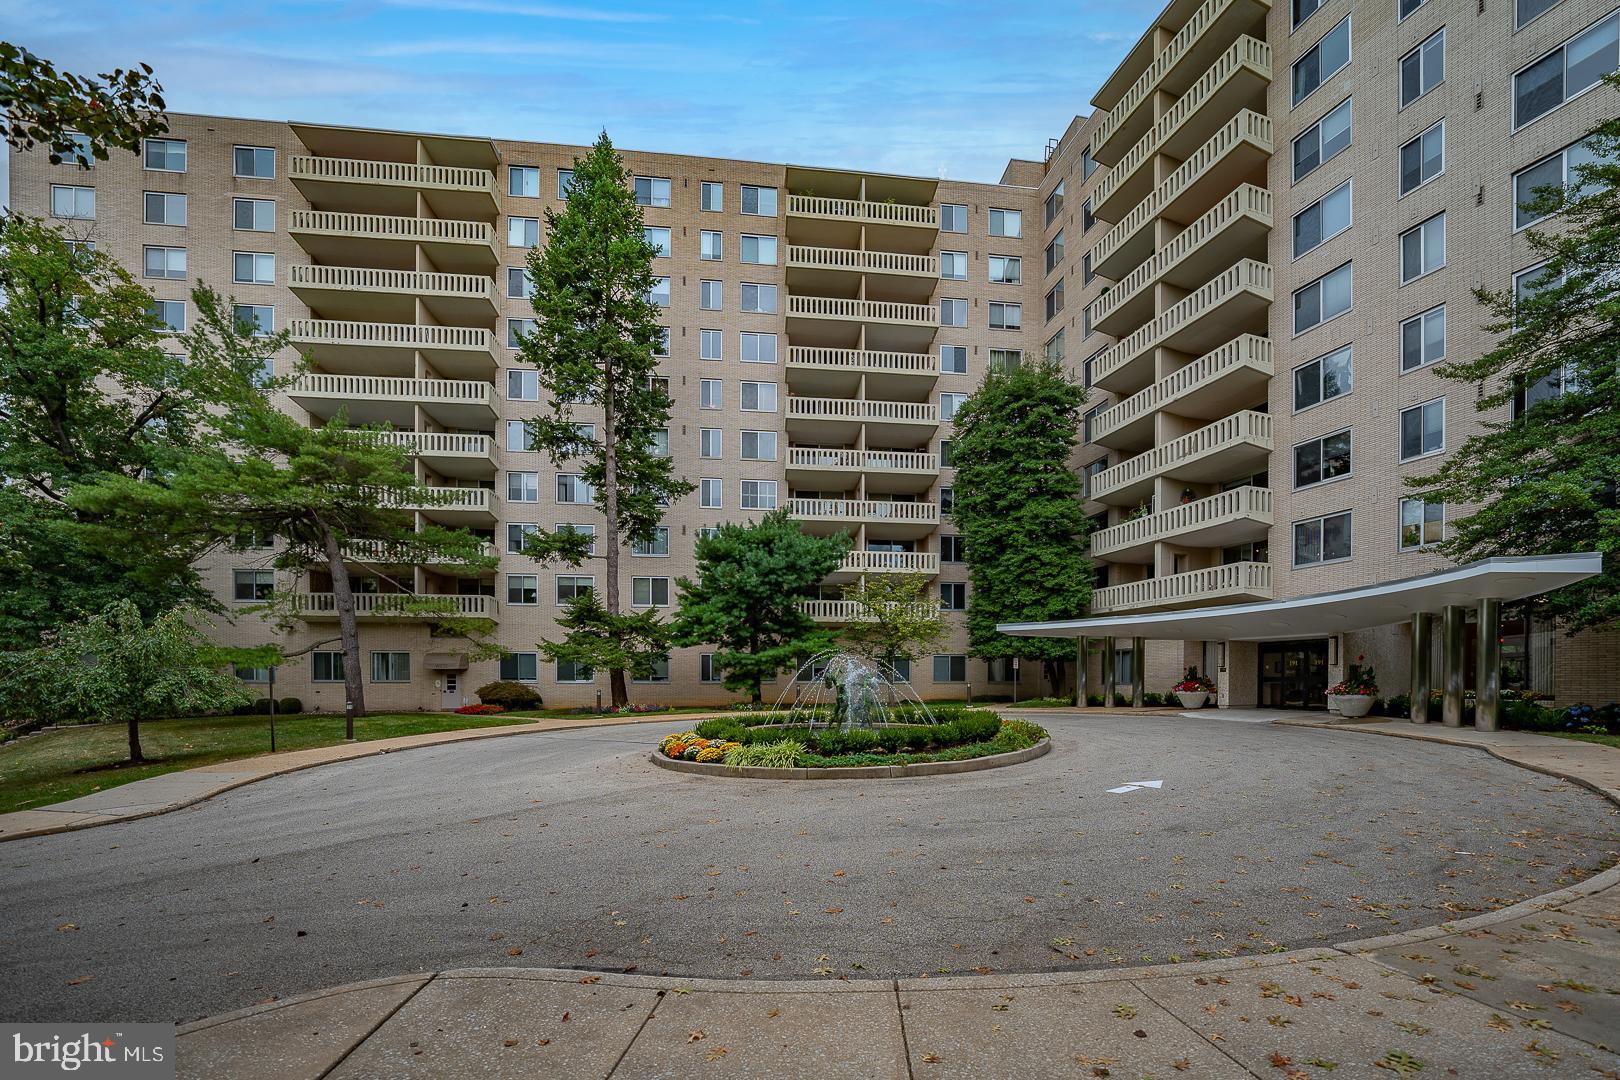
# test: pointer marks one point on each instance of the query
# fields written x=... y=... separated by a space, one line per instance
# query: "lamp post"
x=272 y=708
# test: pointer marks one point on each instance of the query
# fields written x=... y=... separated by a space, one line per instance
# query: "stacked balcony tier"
x=371 y=294
x=392 y=187
x=389 y=349
x=1241 y=515
x=858 y=564
x=1236 y=445
x=883 y=519
x=885 y=471
x=1228 y=584
x=886 y=325
x=838 y=611
x=368 y=399
x=843 y=223
x=830 y=421
x=385 y=240
x=1217 y=384
x=447 y=453
x=392 y=607
x=830 y=372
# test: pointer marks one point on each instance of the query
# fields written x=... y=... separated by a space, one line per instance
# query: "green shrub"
x=957 y=726
x=781 y=754
x=1020 y=734
x=261 y=707
x=1152 y=699
x=244 y=708
x=1120 y=701
x=289 y=706
x=509 y=695
x=1094 y=701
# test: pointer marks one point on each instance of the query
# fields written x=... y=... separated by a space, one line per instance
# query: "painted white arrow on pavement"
x=1135 y=785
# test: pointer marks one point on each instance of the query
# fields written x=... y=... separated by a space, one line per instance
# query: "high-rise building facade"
x=1253 y=252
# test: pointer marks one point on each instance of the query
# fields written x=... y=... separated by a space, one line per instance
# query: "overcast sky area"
x=929 y=87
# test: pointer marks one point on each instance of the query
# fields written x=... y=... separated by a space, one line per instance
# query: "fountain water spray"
x=848 y=691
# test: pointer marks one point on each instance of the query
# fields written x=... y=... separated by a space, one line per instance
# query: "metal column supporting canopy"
x=1421 y=648
x=1454 y=621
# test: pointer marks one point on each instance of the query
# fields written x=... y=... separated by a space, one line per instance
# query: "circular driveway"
x=570 y=849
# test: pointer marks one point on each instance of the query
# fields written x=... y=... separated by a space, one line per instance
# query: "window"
x=757 y=348
x=1304 y=9
x=952 y=312
x=518 y=535
x=326 y=666
x=711 y=295
x=1423 y=248
x=1087 y=218
x=1556 y=171
x=710 y=493
x=1009 y=223
x=1423 y=68
x=1406 y=7
x=164 y=262
x=953 y=359
x=253 y=268
x=162 y=208
x=571 y=671
x=165 y=155
x=1423 y=339
x=947 y=457
x=711 y=442
x=1088 y=422
x=518 y=285
x=711 y=245
x=1322 y=140
x=760 y=250
x=1324 y=219
x=658 y=237
x=1006 y=316
x=658 y=545
x=253 y=162
x=522 y=232
x=950 y=549
x=713 y=196
x=572 y=488
x=170 y=314
x=758 y=201
x=953 y=596
x=953 y=265
x=1054 y=204
x=659 y=293
x=80 y=154
x=711 y=344
x=1054 y=252
x=760 y=299
x=1526 y=11
x=1325 y=298
x=1322 y=60
x=1087 y=165
x=1054 y=301
x=657 y=443
x=947 y=499
x=520 y=667
x=759 y=494
x=651 y=191
x=517 y=436
x=1005 y=360
x=950 y=668
x=522 y=588
x=1566 y=71
x=260 y=319
x=1006 y=270
x=1422 y=523
x=1424 y=158
x=251 y=674
x=949 y=403
x=1323 y=539
x=68 y=201
x=523 y=487
x=707 y=670
x=759 y=397
x=1092 y=470
x=572 y=586
x=710 y=395
x=565 y=183
x=1423 y=429
x=1323 y=379
x=659 y=672
x=517 y=330
x=582 y=530
x=252 y=584
x=523 y=181
x=1323 y=459
x=247 y=215
x=390 y=667
x=758 y=446
x=952 y=217
x=649 y=592
x=522 y=384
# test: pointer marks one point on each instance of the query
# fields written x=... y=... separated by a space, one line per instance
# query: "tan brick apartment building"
x=1253 y=252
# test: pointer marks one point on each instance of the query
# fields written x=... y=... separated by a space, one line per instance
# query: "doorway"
x=450 y=696
x=1293 y=674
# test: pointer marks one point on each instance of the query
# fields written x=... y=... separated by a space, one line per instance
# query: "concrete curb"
x=867 y=772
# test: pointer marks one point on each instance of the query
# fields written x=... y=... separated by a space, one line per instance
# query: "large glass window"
x=250 y=215
x=952 y=312
x=166 y=155
x=1423 y=158
x=759 y=298
x=1422 y=523
x=1009 y=223
x=253 y=162
x=164 y=208
x=953 y=359
x=1322 y=140
x=953 y=217
x=759 y=249
x=1566 y=71
x=1423 y=429
x=1325 y=298
x=1322 y=220
x=1054 y=203
x=1323 y=539
x=1423 y=339
x=1322 y=379
x=1423 y=248
x=1322 y=60
x=390 y=667
x=520 y=667
x=1322 y=459
x=1553 y=172
x=1423 y=68
x=523 y=181
x=1006 y=269
x=953 y=265
x=758 y=201
x=70 y=201
x=164 y=262
x=651 y=191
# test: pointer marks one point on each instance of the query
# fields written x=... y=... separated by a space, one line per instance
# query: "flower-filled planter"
x=1353 y=698
x=1194 y=690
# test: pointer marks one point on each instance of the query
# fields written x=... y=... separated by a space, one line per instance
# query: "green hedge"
x=963 y=727
x=1013 y=735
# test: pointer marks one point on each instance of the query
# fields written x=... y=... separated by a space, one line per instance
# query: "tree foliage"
x=1545 y=480
x=745 y=600
x=40 y=105
x=1019 y=512
x=899 y=618
x=601 y=641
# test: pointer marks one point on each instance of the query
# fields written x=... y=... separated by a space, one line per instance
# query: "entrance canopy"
x=1506 y=578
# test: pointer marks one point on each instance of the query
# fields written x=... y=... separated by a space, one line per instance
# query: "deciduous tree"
x=899 y=618
x=40 y=105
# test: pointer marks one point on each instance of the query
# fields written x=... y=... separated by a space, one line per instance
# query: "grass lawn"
x=1580 y=736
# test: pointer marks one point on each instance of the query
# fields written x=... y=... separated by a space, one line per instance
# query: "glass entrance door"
x=1293 y=674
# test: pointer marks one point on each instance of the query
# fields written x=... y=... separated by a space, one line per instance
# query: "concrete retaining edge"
x=864 y=772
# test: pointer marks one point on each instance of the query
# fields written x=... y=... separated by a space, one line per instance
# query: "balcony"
x=882 y=519
x=889 y=325
x=828 y=372
x=451 y=245
x=389 y=349
x=1237 y=516
x=369 y=399
x=388 y=554
x=1234 y=302
x=448 y=454
x=831 y=270
x=886 y=471
x=1232 y=583
x=457 y=507
x=1235 y=227
x=839 y=421
x=367 y=294
x=1238 y=80
x=1239 y=445
x=393 y=606
x=840 y=611
x=392 y=187
x=1215 y=385
x=857 y=563
x=1124 y=185
x=1236 y=153
x=890 y=226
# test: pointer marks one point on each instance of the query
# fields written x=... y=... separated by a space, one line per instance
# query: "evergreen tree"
x=633 y=643
x=596 y=343
x=1545 y=480
x=1019 y=511
x=745 y=600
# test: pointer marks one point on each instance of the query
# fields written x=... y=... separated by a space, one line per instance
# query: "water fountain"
x=840 y=689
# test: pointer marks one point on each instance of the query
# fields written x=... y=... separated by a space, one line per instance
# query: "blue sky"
x=932 y=87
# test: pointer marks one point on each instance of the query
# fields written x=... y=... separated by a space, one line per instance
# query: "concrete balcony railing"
x=1232 y=517
x=871 y=213
x=1234 y=81
x=1121 y=187
x=890 y=311
x=862 y=410
x=1227 y=303
x=1234 y=446
x=1217 y=382
x=449 y=500
x=384 y=388
x=428 y=338
x=1240 y=220
x=379 y=551
x=890 y=562
x=863 y=361
x=447 y=453
x=441 y=233
x=842 y=611
x=323 y=606
x=862 y=261
x=390 y=174
x=1212 y=170
x=835 y=460
x=1231 y=582
x=412 y=282
x=855 y=511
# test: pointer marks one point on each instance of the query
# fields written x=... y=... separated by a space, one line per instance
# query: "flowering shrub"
x=480 y=710
x=1194 y=683
x=1358 y=680
x=709 y=753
